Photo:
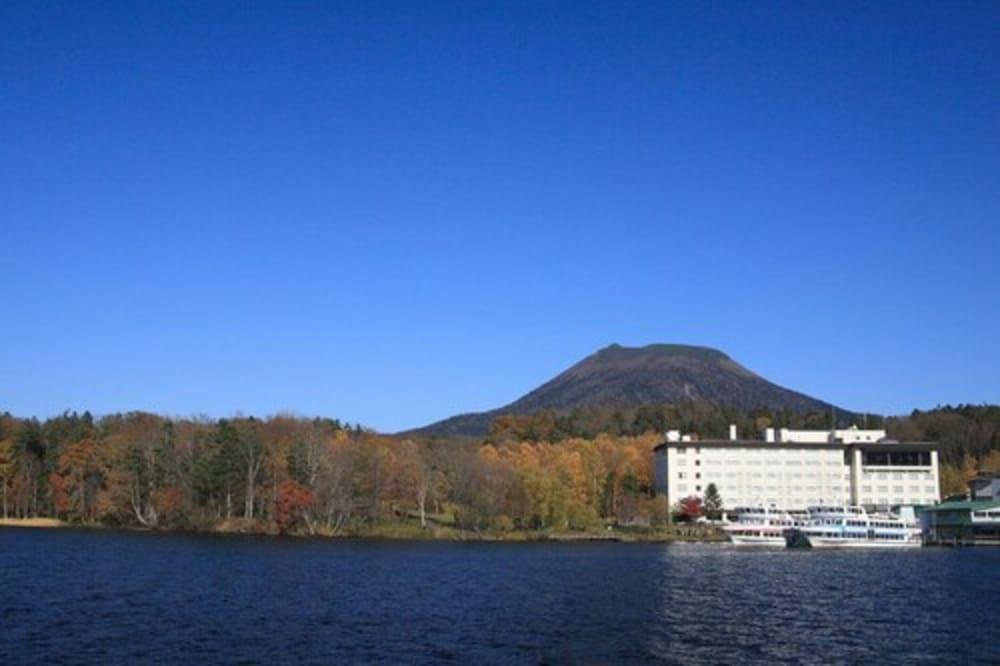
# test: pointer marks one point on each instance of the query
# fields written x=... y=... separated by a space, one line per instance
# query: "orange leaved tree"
x=294 y=500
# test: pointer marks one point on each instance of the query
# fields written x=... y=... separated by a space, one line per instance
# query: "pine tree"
x=713 y=502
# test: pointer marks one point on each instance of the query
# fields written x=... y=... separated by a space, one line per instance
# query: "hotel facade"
x=795 y=469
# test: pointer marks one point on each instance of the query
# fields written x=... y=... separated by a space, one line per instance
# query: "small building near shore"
x=962 y=523
x=985 y=487
x=795 y=469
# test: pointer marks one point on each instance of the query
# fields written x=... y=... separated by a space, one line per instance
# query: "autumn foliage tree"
x=690 y=508
x=294 y=500
x=581 y=470
x=8 y=468
x=76 y=480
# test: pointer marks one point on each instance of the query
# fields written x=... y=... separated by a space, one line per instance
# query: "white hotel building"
x=795 y=469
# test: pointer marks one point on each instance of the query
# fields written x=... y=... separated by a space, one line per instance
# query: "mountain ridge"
x=619 y=376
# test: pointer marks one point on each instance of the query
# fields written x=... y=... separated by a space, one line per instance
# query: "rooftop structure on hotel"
x=795 y=469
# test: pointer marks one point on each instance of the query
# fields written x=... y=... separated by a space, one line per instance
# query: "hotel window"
x=698 y=488
x=680 y=475
x=681 y=450
x=697 y=475
x=897 y=458
x=930 y=490
x=697 y=463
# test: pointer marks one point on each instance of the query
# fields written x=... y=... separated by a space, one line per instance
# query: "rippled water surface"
x=106 y=597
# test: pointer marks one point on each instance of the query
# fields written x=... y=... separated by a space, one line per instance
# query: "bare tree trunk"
x=248 y=507
x=145 y=514
x=421 y=504
x=137 y=507
x=341 y=519
x=253 y=468
x=229 y=503
x=310 y=524
x=376 y=488
x=274 y=488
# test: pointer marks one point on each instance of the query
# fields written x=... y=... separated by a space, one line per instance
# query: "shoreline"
x=408 y=533
x=42 y=523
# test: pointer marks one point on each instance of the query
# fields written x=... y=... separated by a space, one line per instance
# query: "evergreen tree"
x=713 y=502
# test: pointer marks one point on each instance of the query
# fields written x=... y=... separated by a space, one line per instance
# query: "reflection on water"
x=90 y=597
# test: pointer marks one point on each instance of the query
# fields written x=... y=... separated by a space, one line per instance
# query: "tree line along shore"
x=584 y=475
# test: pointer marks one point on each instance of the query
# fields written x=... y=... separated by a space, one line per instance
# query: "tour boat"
x=760 y=526
x=852 y=527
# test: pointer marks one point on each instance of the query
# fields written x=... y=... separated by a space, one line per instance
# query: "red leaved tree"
x=690 y=508
x=294 y=500
x=76 y=480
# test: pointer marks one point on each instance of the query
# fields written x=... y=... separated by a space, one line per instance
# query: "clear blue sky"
x=391 y=213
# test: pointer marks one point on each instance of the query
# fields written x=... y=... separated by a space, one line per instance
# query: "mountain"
x=631 y=376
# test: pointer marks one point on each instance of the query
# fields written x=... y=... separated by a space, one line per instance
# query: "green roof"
x=966 y=505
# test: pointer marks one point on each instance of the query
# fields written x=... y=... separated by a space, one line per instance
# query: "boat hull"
x=801 y=539
x=744 y=540
x=821 y=542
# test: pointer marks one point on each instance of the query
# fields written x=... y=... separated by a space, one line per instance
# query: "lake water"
x=78 y=596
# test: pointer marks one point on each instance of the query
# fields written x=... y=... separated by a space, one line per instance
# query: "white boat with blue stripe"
x=760 y=526
x=853 y=527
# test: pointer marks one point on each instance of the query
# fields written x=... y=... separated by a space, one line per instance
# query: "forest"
x=586 y=470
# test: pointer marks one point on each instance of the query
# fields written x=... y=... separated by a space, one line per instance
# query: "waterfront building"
x=974 y=521
x=796 y=469
x=962 y=523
